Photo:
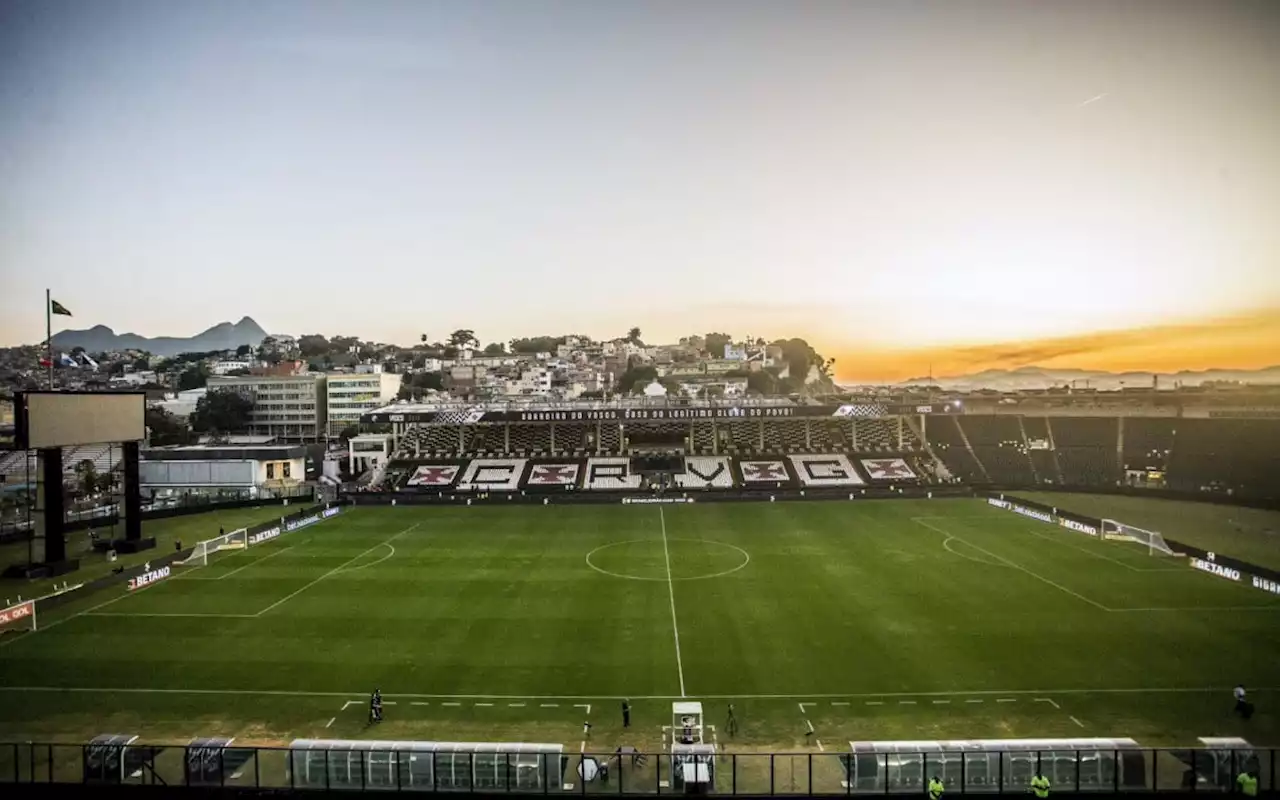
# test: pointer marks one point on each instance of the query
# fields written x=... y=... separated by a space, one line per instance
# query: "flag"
x=58 y=308
x=44 y=362
x=67 y=361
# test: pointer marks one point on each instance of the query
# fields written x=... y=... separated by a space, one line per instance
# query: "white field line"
x=840 y=703
x=975 y=701
x=1006 y=700
x=941 y=702
x=820 y=747
x=89 y=610
x=671 y=590
x=515 y=705
x=485 y=705
x=351 y=703
x=226 y=575
x=549 y=705
x=906 y=702
x=411 y=695
x=1047 y=700
x=802 y=707
x=1016 y=566
x=587 y=706
x=164 y=614
x=375 y=563
x=1076 y=721
x=451 y=704
x=1103 y=556
x=335 y=571
x=875 y=702
x=419 y=703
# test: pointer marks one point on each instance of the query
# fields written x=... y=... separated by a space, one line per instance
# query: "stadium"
x=787 y=598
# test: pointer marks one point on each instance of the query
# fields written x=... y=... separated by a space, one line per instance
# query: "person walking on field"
x=732 y=725
x=626 y=713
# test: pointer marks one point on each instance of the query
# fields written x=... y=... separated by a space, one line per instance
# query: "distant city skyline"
x=967 y=185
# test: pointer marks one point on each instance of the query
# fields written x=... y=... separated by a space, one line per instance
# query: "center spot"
x=646 y=559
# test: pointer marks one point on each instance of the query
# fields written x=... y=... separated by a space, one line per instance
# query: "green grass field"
x=188 y=529
x=868 y=620
x=1249 y=534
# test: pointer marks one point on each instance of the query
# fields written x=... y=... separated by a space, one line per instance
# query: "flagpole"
x=48 y=331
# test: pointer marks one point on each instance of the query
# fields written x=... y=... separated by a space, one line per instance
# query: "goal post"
x=234 y=541
x=1120 y=532
x=19 y=617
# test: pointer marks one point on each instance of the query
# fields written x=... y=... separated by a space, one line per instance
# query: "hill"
x=223 y=336
x=1044 y=378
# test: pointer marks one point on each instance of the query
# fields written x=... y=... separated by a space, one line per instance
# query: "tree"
x=636 y=378
x=424 y=338
x=633 y=336
x=495 y=349
x=244 y=350
x=141 y=363
x=463 y=337
x=762 y=382
x=221 y=411
x=194 y=377
x=313 y=344
x=166 y=429
x=87 y=477
x=537 y=344
x=716 y=342
x=417 y=385
x=270 y=350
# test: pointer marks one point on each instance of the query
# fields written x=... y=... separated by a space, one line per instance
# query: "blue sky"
x=878 y=174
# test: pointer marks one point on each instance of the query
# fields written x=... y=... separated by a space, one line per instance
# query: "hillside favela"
x=730 y=398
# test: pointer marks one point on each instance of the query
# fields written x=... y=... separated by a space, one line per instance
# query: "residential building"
x=292 y=408
x=349 y=396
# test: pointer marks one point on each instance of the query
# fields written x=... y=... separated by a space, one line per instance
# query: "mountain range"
x=1044 y=378
x=223 y=336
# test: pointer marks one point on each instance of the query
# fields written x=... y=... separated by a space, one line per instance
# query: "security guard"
x=1248 y=784
x=935 y=788
x=1040 y=785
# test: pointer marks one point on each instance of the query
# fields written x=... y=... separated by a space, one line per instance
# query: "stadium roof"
x=544 y=404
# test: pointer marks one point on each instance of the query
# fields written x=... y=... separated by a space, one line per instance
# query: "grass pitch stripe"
x=336 y=570
x=671 y=590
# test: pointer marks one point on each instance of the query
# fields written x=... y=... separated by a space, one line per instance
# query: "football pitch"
x=822 y=622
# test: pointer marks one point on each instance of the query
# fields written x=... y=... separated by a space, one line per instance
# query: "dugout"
x=994 y=765
x=467 y=766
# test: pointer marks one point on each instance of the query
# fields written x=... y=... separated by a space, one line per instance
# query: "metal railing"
x=628 y=772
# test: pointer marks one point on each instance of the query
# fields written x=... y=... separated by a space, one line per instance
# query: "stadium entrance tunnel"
x=675 y=559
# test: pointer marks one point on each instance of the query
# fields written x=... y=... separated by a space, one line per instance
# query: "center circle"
x=648 y=559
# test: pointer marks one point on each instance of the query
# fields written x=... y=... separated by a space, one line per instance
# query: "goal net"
x=20 y=617
x=1120 y=532
x=200 y=554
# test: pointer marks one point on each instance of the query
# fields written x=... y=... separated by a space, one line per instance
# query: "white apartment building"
x=291 y=408
x=349 y=396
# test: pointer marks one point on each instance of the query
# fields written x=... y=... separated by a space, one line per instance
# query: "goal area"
x=1120 y=532
x=19 y=617
x=201 y=553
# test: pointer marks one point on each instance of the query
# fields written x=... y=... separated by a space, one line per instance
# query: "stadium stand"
x=706 y=472
x=948 y=442
x=434 y=476
x=997 y=443
x=559 y=475
x=831 y=469
x=740 y=437
x=493 y=475
x=1148 y=442
x=1086 y=449
x=528 y=440
x=875 y=436
x=1241 y=456
x=570 y=439
x=610 y=474
x=888 y=469
x=1040 y=448
x=610 y=440
x=784 y=436
x=765 y=473
x=702 y=438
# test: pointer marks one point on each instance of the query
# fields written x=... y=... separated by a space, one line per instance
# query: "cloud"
x=1242 y=341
